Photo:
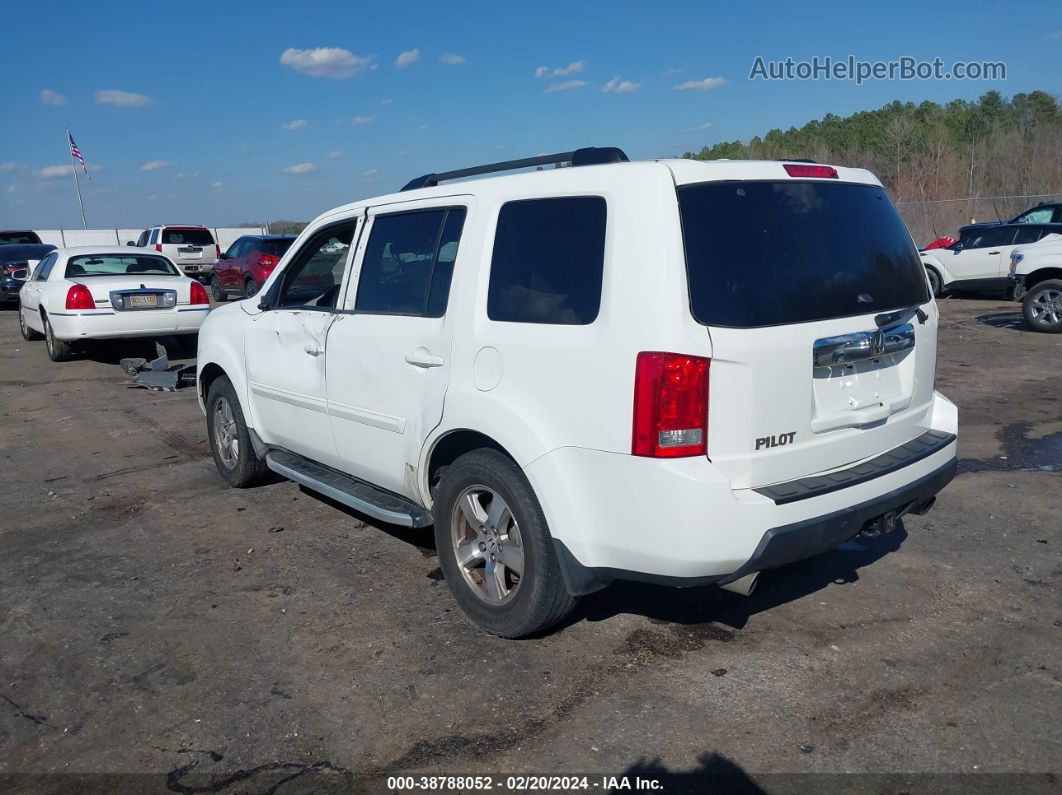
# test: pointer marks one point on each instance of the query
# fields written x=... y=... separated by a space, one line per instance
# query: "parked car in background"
x=244 y=268
x=979 y=260
x=1043 y=213
x=1036 y=272
x=17 y=260
x=683 y=372
x=96 y=292
x=19 y=236
x=193 y=248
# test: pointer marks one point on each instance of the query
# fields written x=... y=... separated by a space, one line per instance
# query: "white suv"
x=1036 y=273
x=676 y=371
x=193 y=248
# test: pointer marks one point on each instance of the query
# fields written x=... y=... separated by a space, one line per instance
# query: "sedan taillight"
x=79 y=297
x=198 y=294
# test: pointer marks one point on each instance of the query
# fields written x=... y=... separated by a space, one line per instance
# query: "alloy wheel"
x=487 y=544
x=226 y=435
x=1047 y=307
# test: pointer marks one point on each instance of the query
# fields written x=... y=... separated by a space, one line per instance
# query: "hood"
x=22 y=252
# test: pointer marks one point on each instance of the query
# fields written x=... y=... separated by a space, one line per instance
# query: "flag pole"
x=77 y=185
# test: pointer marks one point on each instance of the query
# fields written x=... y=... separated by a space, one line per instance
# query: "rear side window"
x=772 y=253
x=549 y=257
x=409 y=262
x=24 y=238
x=191 y=237
x=1029 y=235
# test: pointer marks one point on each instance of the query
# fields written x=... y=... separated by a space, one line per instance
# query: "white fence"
x=224 y=235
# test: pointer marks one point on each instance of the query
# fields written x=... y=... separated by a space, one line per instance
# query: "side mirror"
x=264 y=304
x=130 y=243
x=223 y=255
x=956 y=246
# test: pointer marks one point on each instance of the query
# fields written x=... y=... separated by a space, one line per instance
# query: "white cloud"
x=701 y=85
x=370 y=175
x=49 y=97
x=387 y=102
x=10 y=166
x=707 y=125
x=12 y=188
x=154 y=165
x=217 y=185
x=333 y=62
x=122 y=99
x=451 y=59
x=294 y=124
x=567 y=85
x=335 y=154
x=1056 y=36
x=52 y=172
x=187 y=174
x=360 y=120
x=300 y=168
x=618 y=86
x=575 y=67
x=406 y=58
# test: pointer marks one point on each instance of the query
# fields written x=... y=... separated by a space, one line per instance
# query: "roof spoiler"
x=588 y=156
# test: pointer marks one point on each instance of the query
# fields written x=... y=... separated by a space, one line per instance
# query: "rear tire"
x=250 y=287
x=508 y=582
x=58 y=351
x=230 y=440
x=935 y=286
x=217 y=292
x=28 y=334
x=1042 y=306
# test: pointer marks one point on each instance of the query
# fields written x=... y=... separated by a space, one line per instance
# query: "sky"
x=224 y=112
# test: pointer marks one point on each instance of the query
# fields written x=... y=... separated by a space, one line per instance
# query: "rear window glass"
x=275 y=248
x=770 y=253
x=18 y=237
x=549 y=255
x=193 y=237
x=113 y=264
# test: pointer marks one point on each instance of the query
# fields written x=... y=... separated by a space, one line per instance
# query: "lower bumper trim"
x=779 y=545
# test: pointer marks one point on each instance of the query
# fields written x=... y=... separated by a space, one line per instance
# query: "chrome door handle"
x=421 y=357
x=993 y=252
x=313 y=348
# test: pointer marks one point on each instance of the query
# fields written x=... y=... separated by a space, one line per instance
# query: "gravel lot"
x=153 y=621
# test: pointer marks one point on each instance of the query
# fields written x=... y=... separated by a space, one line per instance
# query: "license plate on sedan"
x=143 y=301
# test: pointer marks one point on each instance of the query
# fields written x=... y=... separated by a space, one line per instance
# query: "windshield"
x=192 y=237
x=19 y=237
x=119 y=264
x=771 y=253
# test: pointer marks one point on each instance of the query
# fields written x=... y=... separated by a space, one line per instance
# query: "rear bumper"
x=107 y=324
x=678 y=521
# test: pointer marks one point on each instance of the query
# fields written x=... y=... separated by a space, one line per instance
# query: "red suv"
x=246 y=265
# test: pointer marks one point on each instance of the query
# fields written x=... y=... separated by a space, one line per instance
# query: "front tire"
x=250 y=287
x=28 y=334
x=217 y=292
x=58 y=351
x=230 y=440
x=1042 y=306
x=935 y=286
x=495 y=547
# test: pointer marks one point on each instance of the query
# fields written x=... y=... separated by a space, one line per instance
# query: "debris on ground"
x=158 y=375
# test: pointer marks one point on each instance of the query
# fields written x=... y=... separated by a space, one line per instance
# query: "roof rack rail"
x=588 y=156
x=796 y=160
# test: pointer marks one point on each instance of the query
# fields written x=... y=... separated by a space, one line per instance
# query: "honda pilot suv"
x=675 y=371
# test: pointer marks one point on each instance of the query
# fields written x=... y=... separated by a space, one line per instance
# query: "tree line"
x=924 y=152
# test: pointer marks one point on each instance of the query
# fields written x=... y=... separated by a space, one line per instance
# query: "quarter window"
x=314 y=276
x=1028 y=235
x=409 y=262
x=45 y=268
x=549 y=257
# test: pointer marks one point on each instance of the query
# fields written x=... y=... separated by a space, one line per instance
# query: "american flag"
x=75 y=152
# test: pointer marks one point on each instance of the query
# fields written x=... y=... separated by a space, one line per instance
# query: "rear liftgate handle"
x=422 y=357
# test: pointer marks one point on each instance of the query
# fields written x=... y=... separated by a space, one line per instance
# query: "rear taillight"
x=158 y=247
x=267 y=261
x=808 y=170
x=670 y=405
x=198 y=294
x=217 y=251
x=79 y=297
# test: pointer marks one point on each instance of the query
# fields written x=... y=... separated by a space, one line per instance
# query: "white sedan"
x=93 y=292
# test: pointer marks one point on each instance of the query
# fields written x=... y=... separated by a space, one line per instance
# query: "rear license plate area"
x=143 y=301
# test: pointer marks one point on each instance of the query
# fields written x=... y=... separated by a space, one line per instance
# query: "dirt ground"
x=159 y=631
